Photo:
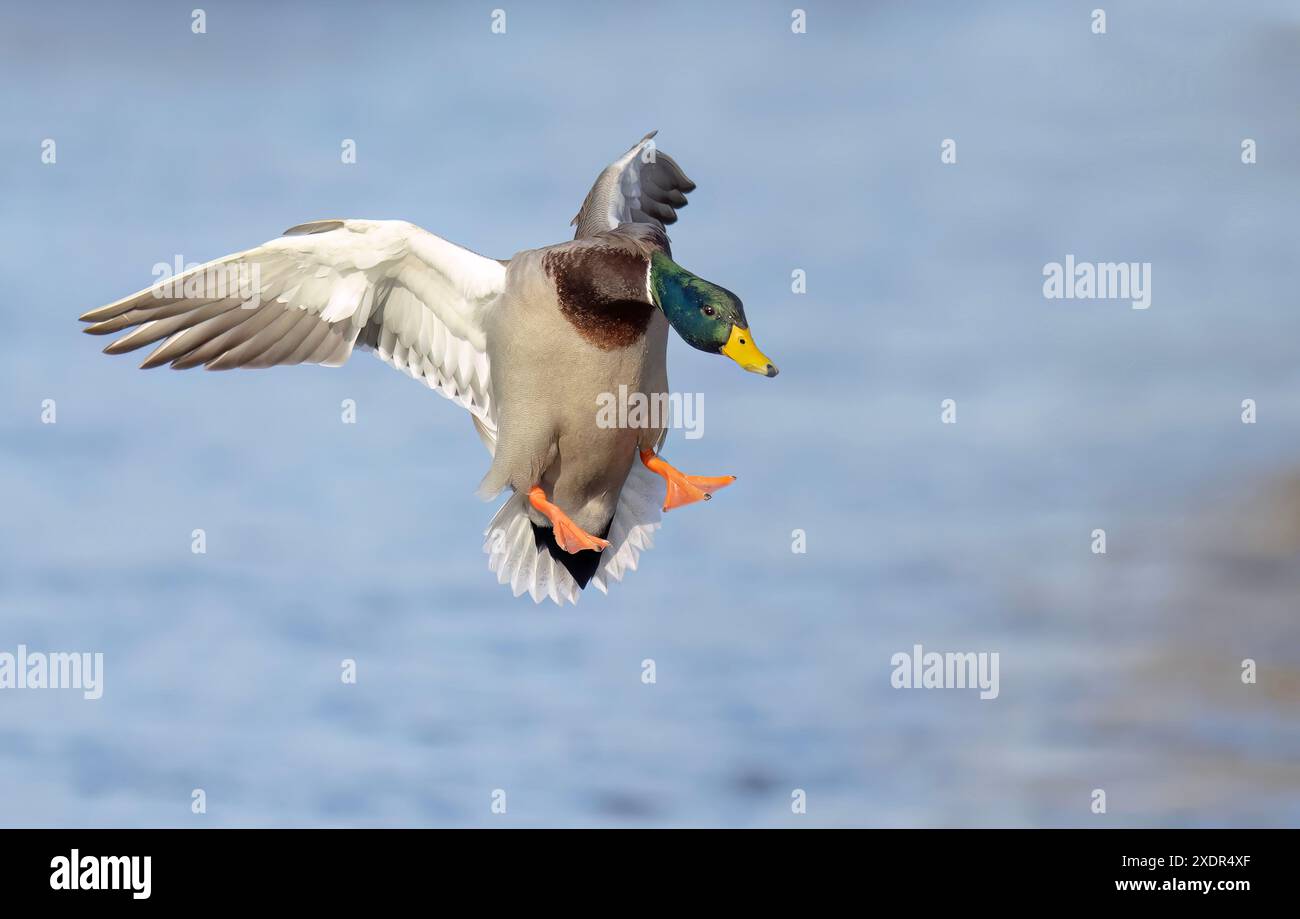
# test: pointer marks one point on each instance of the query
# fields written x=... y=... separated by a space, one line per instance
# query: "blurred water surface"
x=820 y=151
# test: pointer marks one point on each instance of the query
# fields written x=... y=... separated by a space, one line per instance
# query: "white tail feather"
x=517 y=561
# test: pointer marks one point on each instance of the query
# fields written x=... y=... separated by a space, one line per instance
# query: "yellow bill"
x=740 y=348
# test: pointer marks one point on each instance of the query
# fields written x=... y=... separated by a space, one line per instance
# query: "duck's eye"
x=708 y=311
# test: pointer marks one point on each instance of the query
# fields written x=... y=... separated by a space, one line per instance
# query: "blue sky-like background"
x=817 y=151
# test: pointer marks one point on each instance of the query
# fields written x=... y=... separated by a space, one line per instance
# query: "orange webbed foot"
x=684 y=489
x=568 y=535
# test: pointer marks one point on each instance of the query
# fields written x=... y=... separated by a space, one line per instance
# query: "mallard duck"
x=526 y=345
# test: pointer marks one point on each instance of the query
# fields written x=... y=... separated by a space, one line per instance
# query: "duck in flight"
x=527 y=346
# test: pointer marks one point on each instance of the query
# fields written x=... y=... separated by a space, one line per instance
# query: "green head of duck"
x=706 y=316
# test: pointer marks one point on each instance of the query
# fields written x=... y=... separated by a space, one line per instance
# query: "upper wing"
x=315 y=293
x=642 y=186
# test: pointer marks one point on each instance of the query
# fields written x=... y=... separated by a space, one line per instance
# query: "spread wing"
x=644 y=185
x=311 y=296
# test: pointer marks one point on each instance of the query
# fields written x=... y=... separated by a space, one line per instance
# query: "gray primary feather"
x=642 y=186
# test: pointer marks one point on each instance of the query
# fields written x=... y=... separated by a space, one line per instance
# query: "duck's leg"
x=682 y=488
x=568 y=535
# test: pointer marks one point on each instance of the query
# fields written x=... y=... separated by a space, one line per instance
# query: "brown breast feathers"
x=602 y=292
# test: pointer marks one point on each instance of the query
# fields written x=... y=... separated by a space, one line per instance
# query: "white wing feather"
x=319 y=291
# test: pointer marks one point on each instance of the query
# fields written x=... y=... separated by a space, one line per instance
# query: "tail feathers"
x=536 y=566
x=633 y=527
x=581 y=565
x=519 y=562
